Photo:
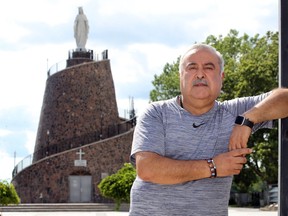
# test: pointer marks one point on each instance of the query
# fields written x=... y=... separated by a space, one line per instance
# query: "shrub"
x=8 y=194
x=117 y=186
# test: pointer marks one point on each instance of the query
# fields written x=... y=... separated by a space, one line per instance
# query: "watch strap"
x=241 y=120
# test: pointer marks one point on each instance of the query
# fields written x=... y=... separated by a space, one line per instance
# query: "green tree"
x=264 y=160
x=8 y=194
x=166 y=84
x=251 y=67
x=117 y=186
x=251 y=63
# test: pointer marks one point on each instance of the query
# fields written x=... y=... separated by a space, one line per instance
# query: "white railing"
x=27 y=161
x=110 y=131
x=63 y=64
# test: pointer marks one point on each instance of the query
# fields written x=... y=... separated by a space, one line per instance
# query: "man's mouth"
x=200 y=84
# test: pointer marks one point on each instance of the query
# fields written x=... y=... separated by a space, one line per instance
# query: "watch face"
x=239 y=120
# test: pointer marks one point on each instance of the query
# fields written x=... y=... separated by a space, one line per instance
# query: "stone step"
x=57 y=207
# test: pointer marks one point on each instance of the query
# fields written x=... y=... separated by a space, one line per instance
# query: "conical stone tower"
x=79 y=107
x=80 y=139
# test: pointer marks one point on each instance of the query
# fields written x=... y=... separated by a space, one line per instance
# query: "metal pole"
x=283 y=123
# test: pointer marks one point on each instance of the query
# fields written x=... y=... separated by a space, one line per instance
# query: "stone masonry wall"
x=79 y=103
x=49 y=176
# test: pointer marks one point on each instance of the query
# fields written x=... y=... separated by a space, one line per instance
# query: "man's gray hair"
x=203 y=47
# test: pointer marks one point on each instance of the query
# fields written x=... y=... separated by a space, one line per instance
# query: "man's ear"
x=223 y=75
x=222 y=78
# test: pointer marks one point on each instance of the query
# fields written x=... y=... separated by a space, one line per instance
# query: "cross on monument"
x=80 y=162
x=80 y=153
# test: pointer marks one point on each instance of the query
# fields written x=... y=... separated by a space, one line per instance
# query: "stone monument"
x=79 y=116
x=81 y=30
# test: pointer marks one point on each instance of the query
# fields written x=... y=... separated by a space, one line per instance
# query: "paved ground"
x=232 y=212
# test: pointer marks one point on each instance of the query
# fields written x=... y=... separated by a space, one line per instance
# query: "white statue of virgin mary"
x=81 y=30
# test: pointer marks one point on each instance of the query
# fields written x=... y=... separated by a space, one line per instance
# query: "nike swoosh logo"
x=196 y=126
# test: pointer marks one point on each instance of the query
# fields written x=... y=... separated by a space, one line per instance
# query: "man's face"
x=201 y=77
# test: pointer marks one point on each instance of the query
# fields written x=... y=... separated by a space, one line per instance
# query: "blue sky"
x=141 y=37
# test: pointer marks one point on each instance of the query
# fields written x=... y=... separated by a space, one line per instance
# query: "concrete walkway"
x=232 y=212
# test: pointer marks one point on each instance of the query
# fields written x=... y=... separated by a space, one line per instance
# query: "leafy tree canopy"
x=166 y=84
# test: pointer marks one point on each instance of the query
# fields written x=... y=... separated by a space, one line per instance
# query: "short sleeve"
x=149 y=132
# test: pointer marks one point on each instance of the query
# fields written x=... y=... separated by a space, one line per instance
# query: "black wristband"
x=241 y=120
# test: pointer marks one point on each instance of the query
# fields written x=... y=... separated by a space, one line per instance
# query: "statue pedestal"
x=78 y=57
x=80 y=49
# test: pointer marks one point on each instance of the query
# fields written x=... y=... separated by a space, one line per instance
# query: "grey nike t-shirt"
x=169 y=130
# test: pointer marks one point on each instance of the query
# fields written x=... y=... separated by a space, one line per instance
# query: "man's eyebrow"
x=210 y=64
x=191 y=63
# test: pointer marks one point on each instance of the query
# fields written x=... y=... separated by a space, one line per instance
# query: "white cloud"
x=15 y=32
x=25 y=78
x=139 y=63
x=52 y=12
x=125 y=105
x=140 y=105
x=4 y=132
x=125 y=67
x=7 y=165
x=30 y=141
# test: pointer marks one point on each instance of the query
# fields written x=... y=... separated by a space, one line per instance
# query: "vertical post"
x=283 y=123
x=14 y=159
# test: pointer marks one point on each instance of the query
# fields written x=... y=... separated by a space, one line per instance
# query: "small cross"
x=80 y=153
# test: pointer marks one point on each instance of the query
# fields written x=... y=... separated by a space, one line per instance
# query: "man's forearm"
x=275 y=106
x=155 y=168
x=162 y=170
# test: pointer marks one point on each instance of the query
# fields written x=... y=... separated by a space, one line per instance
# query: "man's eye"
x=209 y=68
x=192 y=68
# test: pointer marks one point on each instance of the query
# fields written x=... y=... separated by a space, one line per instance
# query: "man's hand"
x=231 y=163
x=239 y=137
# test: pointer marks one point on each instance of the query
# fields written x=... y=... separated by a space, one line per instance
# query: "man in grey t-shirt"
x=187 y=149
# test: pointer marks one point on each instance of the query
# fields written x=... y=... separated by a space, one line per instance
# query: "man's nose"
x=200 y=74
